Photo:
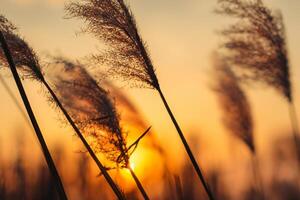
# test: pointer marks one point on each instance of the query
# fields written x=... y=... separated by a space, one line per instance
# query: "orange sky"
x=180 y=35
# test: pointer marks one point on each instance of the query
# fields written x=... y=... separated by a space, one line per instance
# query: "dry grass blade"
x=94 y=112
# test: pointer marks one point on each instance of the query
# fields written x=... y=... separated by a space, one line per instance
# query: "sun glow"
x=132 y=165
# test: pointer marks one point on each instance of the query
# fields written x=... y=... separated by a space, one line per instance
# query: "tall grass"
x=94 y=111
x=27 y=61
x=256 y=44
x=237 y=116
x=47 y=155
x=112 y=22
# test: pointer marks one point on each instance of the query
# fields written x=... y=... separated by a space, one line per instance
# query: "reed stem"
x=187 y=147
x=295 y=127
x=47 y=155
x=103 y=170
x=138 y=184
x=257 y=177
x=178 y=187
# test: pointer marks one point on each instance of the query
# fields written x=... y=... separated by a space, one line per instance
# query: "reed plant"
x=256 y=46
x=126 y=55
x=237 y=116
x=94 y=111
x=6 y=30
x=26 y=60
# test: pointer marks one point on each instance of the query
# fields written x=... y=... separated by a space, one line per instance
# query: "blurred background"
x=180 y=36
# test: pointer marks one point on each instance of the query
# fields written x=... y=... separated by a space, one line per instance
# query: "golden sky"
x=180 y=35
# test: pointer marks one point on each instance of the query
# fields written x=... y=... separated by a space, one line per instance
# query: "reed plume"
x=236 y=108
x=6 y=34
x=94 y=111
x=28 y=63
x=237 y=112
x=126 y=55
x=256 y=45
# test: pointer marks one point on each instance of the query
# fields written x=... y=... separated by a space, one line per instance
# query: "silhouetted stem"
x=138 y=184
x=178 y=186
x=295 y=127
x=49 y=160
x=103 y=170
x=187 y=147
x=257 y=177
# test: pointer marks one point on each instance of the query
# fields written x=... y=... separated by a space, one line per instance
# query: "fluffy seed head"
x=23 y=55
x=256 y=43
x=93 y=111
x=235 y=106
x=112 y=22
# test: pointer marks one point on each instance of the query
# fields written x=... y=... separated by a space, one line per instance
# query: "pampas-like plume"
x=6 y=54
x=24 y=56
x=27 y=61
x=237 y=115
x=257 y=45
x=112 y=22
x=94 y=111
x=234 y=103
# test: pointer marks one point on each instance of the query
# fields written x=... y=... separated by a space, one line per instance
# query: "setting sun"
x=139 y=100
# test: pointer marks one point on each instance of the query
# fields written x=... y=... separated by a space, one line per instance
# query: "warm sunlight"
x=132 y=165
x=201 y=98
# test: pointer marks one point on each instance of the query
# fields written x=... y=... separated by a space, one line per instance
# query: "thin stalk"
x=187 y=147
x=103 y=170
x=138 y=184
x=295 y=127
x=257 y=177
x=47 y=155
x=178 y=187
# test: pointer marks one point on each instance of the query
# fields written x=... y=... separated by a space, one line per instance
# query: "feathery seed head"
x=23 y=55
x=93 y=111
x=235 y=106
x=256 y=43
x=112 y=22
